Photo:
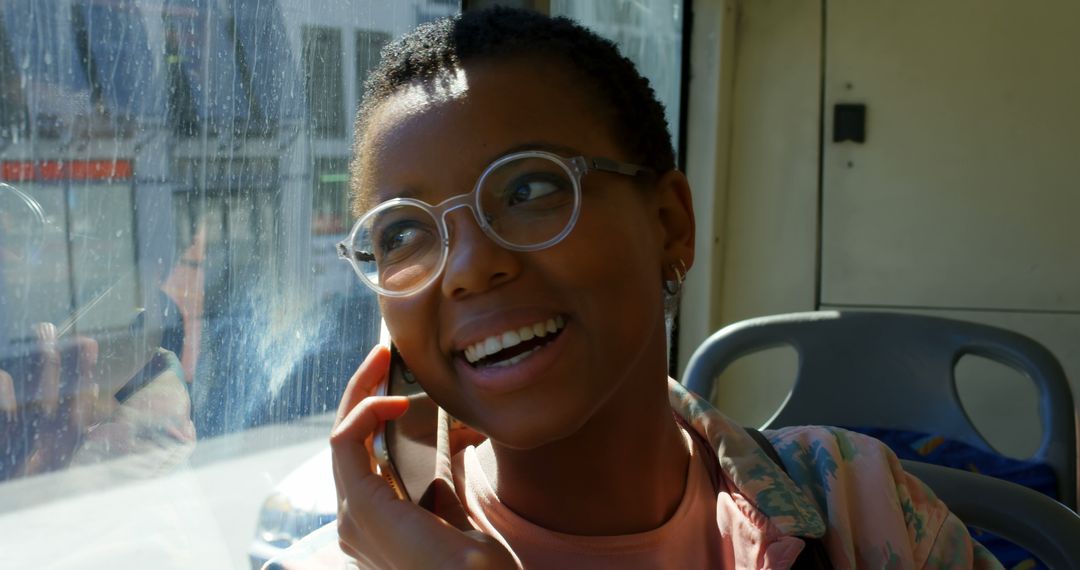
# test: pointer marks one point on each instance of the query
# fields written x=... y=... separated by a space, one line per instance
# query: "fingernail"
x=45 y=332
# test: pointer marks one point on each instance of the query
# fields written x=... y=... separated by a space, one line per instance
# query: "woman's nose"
x=475 y=262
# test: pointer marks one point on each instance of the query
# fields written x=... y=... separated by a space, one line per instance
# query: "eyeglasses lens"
x=526 y=202
x=397 y=247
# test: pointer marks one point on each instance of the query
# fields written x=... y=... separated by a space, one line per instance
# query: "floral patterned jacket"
x=842 y=487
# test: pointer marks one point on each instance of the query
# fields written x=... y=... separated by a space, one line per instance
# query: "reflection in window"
x=369 y=46
x=113 y=49
x=323 y=81
x=330 y=210
x=207 y=88
x=14 y=119
x=55 y=88
x=647 y=32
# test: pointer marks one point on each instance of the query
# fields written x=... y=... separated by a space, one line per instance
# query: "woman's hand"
x=376 y=527
x=58 y=406
x=63 y=417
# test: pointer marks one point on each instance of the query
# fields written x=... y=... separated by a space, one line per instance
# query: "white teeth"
x=510 y=338
x=496 y=343
x=516 y=359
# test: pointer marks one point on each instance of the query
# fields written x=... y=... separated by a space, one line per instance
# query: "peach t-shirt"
x=689 y=539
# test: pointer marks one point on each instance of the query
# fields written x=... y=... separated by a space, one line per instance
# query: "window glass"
x=648 y=32
x=368 y=45
x=323 y=81
x=175 y=326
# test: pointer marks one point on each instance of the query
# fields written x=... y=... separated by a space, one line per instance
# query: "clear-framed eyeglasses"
x=524 y=201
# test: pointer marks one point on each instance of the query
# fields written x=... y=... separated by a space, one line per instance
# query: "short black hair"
x=502 y=33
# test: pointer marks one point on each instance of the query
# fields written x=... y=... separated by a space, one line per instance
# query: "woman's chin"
x=530 y=432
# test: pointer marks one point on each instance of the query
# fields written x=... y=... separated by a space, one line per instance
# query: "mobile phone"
x=405 y=449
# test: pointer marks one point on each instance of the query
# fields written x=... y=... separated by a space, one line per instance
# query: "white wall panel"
x=967 y=190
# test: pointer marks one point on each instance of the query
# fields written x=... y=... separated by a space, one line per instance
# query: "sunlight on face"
x=411 y=100
x=601 y=358
x=419 y=96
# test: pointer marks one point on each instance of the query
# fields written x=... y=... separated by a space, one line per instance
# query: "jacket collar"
x=743 y=462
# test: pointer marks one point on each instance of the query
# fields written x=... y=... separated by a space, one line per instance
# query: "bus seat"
x=895 y=371
x=1031 y=520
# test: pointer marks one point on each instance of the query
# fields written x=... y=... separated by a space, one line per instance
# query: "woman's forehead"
x=499 y=97
x=420 y=95
x=471 y=118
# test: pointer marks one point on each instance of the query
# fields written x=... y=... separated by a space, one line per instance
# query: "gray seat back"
x=1027 y=518
x=895 y=371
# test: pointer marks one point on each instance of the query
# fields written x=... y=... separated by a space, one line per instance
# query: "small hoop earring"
x=672 y=287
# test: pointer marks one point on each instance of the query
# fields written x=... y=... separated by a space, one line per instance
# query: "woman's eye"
x=532 y=189
x=401 y=239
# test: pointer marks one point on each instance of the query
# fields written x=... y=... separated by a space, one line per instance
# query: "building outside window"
x=369 y=44
x=323 y=81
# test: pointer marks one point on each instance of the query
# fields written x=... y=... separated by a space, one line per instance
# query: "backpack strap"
x=813 y=555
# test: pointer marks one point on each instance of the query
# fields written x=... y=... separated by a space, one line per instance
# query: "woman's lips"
x=519 y=369
x=514 y=343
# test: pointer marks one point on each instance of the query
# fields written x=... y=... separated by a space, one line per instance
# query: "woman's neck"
x=623 y=472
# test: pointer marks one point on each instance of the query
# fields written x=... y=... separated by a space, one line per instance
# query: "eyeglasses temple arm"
x=344 y=253
x=608 y=165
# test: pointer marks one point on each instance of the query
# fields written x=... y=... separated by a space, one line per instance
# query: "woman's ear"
x=675 y=208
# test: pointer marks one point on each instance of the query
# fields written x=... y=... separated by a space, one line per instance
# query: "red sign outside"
x=58 y=170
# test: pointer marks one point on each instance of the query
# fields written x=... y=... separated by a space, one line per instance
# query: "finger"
x=8 y=406
x=88 y=355
x=351 y=458
x=49 y=375
x=383 y=521
x=350 y=466
x=371 y=371
x=82 y=412
x=390 y=529
x=87 y=392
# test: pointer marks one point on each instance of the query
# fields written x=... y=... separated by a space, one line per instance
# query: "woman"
x=540 y=321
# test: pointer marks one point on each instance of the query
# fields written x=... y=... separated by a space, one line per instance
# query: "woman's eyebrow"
x=537 y=145
x=381 y=196
x=376 y=197
x=406 y=192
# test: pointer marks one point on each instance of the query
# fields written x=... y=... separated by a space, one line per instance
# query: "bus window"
x=175 y=327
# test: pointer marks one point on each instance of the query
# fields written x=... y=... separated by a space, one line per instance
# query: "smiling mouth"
x=513 y=346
